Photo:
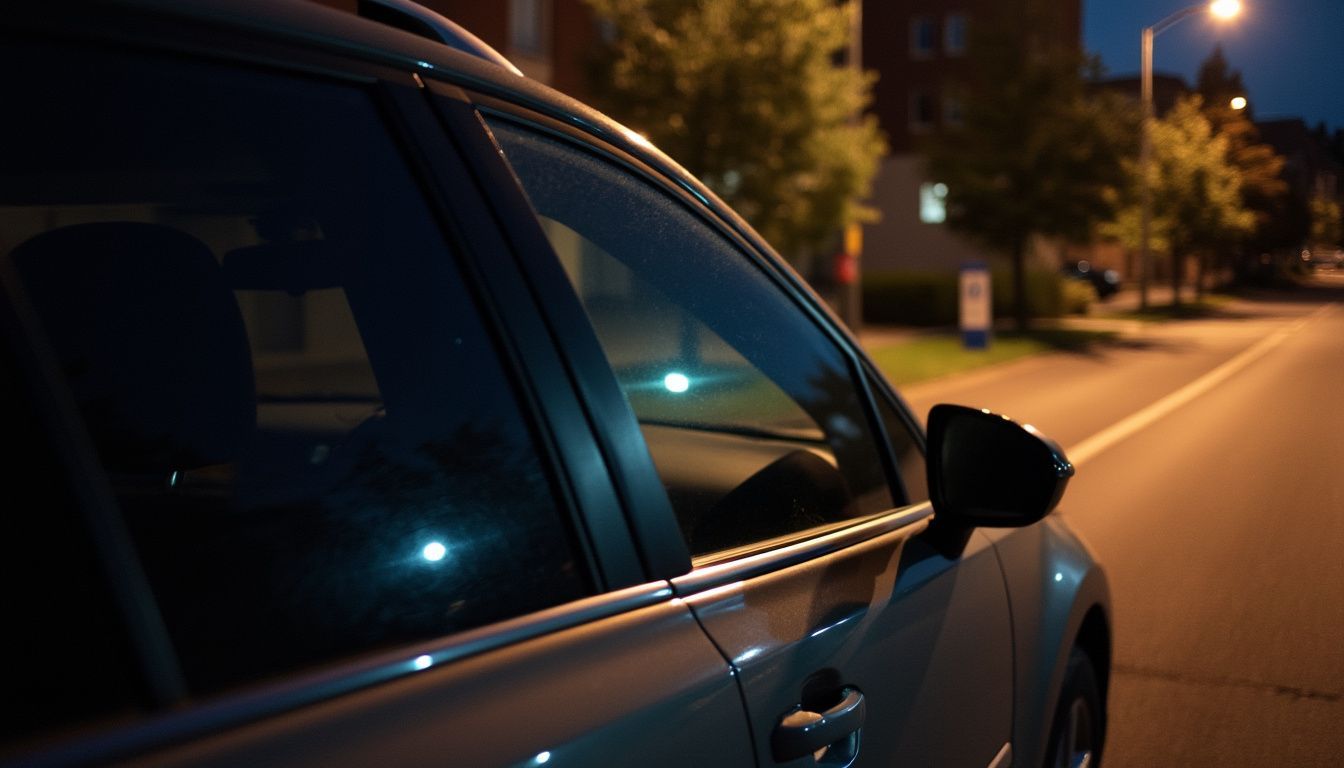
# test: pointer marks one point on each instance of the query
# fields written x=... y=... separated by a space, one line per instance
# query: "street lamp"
x=1238 y=103
x=1223 y=9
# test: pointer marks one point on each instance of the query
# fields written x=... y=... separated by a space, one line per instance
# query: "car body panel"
x=1054 y=585
x=568 y=696
x=925 y=639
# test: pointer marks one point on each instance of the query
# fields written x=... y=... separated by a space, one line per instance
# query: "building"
x=919 y=48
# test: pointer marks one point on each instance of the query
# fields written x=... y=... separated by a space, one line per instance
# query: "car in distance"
x=1106 y=282
x=373 y=404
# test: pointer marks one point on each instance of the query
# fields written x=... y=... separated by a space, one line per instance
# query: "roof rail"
x=412 y=17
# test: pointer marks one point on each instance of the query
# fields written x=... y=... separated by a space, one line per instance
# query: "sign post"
x=976 y=305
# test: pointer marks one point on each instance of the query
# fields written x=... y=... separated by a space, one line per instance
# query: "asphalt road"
x=1211 y=485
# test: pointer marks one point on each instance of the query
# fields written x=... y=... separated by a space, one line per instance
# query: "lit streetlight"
x=1238 y=103
x=1223 y=9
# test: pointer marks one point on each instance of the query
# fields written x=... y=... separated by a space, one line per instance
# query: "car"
x=1106 y=282
x=372 y=404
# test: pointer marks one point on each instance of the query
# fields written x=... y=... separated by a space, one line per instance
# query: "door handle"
x=801 y=732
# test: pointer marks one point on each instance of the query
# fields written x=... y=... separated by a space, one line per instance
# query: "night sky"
x=1290 y=52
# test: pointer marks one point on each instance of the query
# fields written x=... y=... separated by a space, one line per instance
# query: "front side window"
x=304 y=421
x=749 y=410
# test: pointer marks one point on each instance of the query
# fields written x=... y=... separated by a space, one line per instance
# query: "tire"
x=1078 y=730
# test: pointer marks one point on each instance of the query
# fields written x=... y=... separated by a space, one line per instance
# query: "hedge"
x=930 y=298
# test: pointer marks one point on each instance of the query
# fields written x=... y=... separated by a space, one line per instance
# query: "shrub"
x=930 y=298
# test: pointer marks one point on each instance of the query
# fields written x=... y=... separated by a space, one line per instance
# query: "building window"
x=527 y=27
x=923 y=37
x=933 y=203
x=923 y=111
x=953 y=111
x=954 y=34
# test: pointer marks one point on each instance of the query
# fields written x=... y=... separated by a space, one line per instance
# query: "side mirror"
x=987 y=470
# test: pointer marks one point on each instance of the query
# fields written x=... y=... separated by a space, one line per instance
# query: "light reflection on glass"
x=422 y=662
x=1059 y=576
x=434 y=552
x=542 y=758
x=676 y=382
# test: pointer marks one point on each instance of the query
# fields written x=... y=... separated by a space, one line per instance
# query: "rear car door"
x=795 y=496
x=330 y=494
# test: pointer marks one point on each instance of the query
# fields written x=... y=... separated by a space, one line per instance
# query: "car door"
x=811 y=571
x=330 y=496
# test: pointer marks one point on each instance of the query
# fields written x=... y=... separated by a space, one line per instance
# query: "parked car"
x=371 y=404
x=1104 y=281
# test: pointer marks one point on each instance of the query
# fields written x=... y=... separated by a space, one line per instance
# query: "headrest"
x=295 y=267
x=150 y=338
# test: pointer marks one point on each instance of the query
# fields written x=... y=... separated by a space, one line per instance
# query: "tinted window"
x=748 y=408
x=65 y=658
x=305 y=423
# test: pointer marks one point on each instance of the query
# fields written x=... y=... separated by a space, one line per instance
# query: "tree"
x=1196 y=191
x=1036 y=153
x=747 y=94
x=1327 y=222
x=1263 y=190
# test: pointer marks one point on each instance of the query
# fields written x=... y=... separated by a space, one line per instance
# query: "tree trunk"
x=1177 y=267
x=1199 y=277
x=1019 y=255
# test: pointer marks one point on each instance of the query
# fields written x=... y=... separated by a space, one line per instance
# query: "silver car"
x=371 y=404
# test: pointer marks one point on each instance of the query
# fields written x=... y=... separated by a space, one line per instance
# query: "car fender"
x=1058 y=596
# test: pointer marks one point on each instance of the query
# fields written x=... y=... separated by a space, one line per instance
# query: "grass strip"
x=935 y=356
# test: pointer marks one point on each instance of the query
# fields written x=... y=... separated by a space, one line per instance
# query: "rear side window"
x=314 y=444
x=750 y=411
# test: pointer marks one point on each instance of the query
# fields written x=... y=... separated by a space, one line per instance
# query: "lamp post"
x=1224 y=9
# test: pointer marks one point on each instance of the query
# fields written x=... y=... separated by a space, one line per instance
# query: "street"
x=1211 y=486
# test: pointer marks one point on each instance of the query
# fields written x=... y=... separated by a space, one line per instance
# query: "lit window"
x=933 y=203
x=923 y=36
x=954 y=34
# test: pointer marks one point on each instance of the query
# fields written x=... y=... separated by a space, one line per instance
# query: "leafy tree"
x=1263 y=190
x=747 y=94
x=1327 y=222
x=1196 y=191
x=1036 y=153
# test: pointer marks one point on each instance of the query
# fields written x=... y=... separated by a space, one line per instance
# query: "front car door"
x=811 y=575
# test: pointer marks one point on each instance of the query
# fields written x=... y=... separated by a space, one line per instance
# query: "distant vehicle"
x=372 y=404
x=1104 y=281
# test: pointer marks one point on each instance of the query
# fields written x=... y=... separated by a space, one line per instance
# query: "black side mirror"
x=987 y=470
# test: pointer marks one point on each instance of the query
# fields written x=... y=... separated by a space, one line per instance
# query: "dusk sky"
x=1290 y=52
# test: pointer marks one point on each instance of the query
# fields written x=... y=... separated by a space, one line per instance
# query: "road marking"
x=1092 y=446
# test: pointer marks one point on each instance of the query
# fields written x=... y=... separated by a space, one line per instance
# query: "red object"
x=845 y=268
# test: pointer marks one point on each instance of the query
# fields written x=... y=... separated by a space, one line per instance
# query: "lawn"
x=934 y=356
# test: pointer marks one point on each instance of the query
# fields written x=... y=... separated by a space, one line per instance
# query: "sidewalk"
x=1127 y=300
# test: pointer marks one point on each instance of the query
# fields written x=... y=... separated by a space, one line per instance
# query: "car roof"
x=306 y=23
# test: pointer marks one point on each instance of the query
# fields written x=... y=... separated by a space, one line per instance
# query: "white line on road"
x=1092 y=446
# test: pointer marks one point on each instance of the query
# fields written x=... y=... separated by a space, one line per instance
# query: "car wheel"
x=1079 y=727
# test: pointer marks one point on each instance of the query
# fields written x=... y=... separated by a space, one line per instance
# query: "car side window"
x=749 y=410
x=66 y=660
x=308 y=429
